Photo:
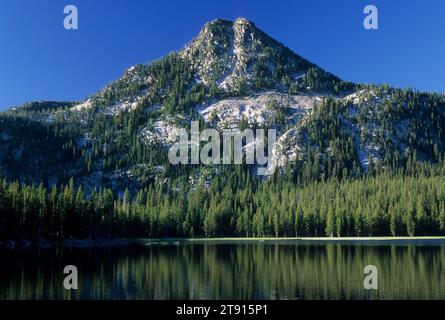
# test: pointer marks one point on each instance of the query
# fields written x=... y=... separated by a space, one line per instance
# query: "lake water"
x=240 y=270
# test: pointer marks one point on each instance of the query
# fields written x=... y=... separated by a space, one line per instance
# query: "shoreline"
x=377 y=241
x=121 y=242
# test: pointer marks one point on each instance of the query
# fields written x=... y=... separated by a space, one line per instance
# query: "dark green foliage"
x=418 y=118
x=33 y=150
x=319 y=80
x=330 y=147
x=234 y=204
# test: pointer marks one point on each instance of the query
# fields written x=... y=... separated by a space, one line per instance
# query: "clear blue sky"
x=40 y=60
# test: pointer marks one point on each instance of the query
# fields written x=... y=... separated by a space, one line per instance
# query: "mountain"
x=231 y=75
x=351 y=159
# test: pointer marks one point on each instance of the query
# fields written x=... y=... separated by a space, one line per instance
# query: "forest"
x=235 y=204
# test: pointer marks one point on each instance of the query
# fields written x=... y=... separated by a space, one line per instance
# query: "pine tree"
x=330 y=222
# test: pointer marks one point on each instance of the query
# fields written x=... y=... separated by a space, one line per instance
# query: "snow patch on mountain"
x=258 y=109
x=163 y=131
x=83 y=106
x=125 y=106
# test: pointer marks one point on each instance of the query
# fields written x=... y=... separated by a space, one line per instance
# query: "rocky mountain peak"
x=232 y=53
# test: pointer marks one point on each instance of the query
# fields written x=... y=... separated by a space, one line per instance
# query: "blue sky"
x=40 y=60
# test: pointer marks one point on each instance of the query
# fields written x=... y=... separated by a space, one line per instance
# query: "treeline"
x=231 y=205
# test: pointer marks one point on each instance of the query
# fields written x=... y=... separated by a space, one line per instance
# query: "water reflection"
x=226 y=271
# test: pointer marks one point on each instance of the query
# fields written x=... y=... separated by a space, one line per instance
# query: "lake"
x=226 y=270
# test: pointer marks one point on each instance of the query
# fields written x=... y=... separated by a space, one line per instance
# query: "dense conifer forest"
x=410 y=202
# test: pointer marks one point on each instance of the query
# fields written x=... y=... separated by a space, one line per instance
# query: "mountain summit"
x=229 y=52
x=233 y=58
